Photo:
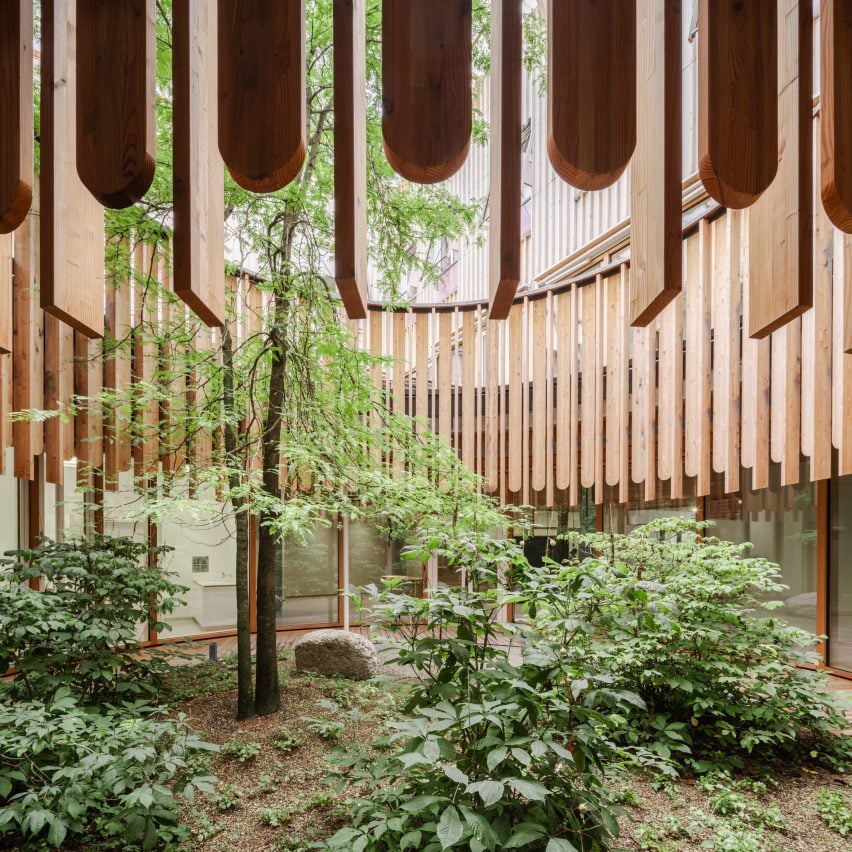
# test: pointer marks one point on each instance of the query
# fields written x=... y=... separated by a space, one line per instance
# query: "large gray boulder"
x=336 y=653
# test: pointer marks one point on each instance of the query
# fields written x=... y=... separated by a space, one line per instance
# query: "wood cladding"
x=199 y=173
x=591 y=126
x=116 y=99
x=72 y=221
x=504 y=194
x=738 y=98
x=262 y=91
x=350 y=156
x=426 y=87
x=16 y=107
x=655 y=183
x=836 y=111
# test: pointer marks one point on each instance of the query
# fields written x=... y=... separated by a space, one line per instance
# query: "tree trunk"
x=245 y=690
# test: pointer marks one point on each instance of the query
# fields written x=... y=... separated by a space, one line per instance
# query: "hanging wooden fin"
x=781 y=221
x=262 y=91
x=199 y=173
x=350 y=156
x=504 y=220
x=426 y=87
x=591 y=90
x=71 y=220
x=655 y=186
x=836 y=112
x=16 y=107
x=116 y=99
x=737 y=99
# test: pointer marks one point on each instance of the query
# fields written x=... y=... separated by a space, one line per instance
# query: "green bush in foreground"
x=671 y=614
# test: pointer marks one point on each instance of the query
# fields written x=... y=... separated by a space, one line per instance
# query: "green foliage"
x=326 y=729
x=227 y=796
x=68 y=770
x=276 y=817
x=500 y=750
x=834 y=810
x=241 y=749
x=81 y=632
x=289 y=740
x=671 y=614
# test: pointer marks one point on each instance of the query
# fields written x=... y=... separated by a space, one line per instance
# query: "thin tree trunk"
x=245 y=690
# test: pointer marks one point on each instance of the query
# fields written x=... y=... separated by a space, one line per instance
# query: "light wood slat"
x=822 y=354
x=376 y=350
x=5 y=382
x=836 y=112
x=504 y=219
x=549 y=372
x=588 y=350
x=760 y=470
x=350 y=156
x=538 y=320
x=792 y=403
x=503 y=416
x=732 y=464
x=262 y=91
x=624 y=390
x=600 y=360
x=526 y=324
x=53 y=432
x=398 y=378
x=88 y=377
x=564 y=352
x=692 y=376
x=781 y=238
x=655 y=182
x=591 y=128
x=468 y=389
x=426 y=87
x=777 y=394
x=650 y=413
x=703 y=307
x=843 y=381
x=574 y=410
x=493 y=467
x=116 y=98
x=515 y=418
x=5 y=293
x=198 y=247
x=16 y=107
x=738 y=99
x=638 y=421
x=720 y=296
x=445 y=375
x=72 y=222
x=24 y=345
x=421 y=366
x=666 y=391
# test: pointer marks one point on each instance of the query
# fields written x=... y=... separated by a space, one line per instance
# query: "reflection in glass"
x=307 y=580
x=840 y=574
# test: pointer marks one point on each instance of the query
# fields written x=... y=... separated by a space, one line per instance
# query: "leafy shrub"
x=276 y=817
x=326 y=729
x=671 y=614
x=834 y=811
x=80 y=632
x=66 y=769
x=241 y=749
x=502 y=749
x=288 y=740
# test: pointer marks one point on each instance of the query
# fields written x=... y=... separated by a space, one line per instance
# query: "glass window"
x=9 y=518
x=840 y=574
x=626 y=518
x=307 y=579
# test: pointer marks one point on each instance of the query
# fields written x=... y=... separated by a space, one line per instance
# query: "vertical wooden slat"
x=537 y=322
x=738 y=99
x=5 y=293
x=843 y=376
x=24 y=344
x=666 y=391
x=526 y=330
x=421 y=365
x=16 y=107
x=588 y=351
x=781 y=238
x=350 y=156
x=624 y=389
x=493 y=395
x=732 y=463
x=198 y=248
x=549 y=403
x=655 y=188
x=426 y=87
x=376 y=322
x=600 y=360
x=591 y=128
x=515 y=422
x=720 y=296
x=639 y=390
x=262 y=91
x=692 y=378
x=504 y=220
x=468 y=388
x=116 y=99
x=398 y=377
x=792 y=403
x=574 y=411
x=445 y=375
x=72 y=222
x=564 y=352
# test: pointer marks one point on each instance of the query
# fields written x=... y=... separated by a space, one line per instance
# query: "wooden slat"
x=600 y=360
x=720 y=296
x=493 y=396
x=16 y=107
x=737 y=99
x=655 y=184
x=549 y=372
x=262 y=91
x=88 y=423
x=624 y=390
x=669 y=352
x=588 y=348
x=5 y=293
x=591 y=128
x=72 y=222
x=781 y=237
x=350 y=156
x=398 y=377
x=426 y=87
x=564 y=353
x=504 y=194
x=515 y=424
x=691 y=378
x=843 y=361
x=116 y=98
x=836 y=111
x=445 y=375
x=376 y=322
x=198 y=248
x=468 y=388
x=526 y=323
x=421 y=365
x=24 y=346
x=792 y=403
x=574 y=410
x=639 y=388
x=734 y=320
x=540 y=438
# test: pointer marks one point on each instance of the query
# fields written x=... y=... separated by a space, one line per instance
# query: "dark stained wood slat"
x=350 y=156
x=72 y=222
x=504 y=221
x=426 y=87
x=836 y=111
x=737 y=98
x=781 y=221
x=199 y=173
x=591 y=93
x=16 y=107
x=5 y=293
x=655 y=188
x=116 y=99
x=262 y=91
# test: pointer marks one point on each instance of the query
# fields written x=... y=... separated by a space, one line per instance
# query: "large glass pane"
x=840 y=574
x=639 y=511
x=370 y=557
x=307 y=579
x=9 y=520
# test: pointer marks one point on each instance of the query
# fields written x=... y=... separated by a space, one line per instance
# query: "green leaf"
x=525 y=833
x=57 y=832
x=495 y=757
x=560 y=844
x=529 y=789
x=450 y=828
x=489 y=791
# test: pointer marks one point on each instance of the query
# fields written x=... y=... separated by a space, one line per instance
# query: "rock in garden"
x=336 y=653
